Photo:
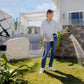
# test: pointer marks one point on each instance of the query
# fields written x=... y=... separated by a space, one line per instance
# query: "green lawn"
x=66 y=72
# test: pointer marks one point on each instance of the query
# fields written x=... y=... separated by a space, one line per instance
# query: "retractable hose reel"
x=16 y=48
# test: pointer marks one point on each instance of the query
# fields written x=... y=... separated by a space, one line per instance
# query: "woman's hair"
x=49 y=11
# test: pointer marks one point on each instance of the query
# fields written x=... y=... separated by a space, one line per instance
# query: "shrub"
x=11 y=76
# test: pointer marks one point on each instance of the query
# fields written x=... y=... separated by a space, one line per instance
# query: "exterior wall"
x=67 y=6
x=66 y=45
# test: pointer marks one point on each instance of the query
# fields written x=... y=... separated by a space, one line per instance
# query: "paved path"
x=35 y=53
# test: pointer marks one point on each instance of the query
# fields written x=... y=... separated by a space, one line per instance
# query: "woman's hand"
x=47 y=39
x=66 y=32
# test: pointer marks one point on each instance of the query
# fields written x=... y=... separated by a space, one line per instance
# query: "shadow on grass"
x=34 y=67
x=31 y=70
x=69 y=79
x=20 y=60
x=83 y=65
x=72 y=61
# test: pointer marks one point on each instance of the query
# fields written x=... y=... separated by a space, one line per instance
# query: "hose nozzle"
x=69 y=32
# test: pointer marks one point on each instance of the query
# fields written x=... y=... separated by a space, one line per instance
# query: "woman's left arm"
x=59 y=28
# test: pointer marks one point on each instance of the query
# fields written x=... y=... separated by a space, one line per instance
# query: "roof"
x=27 y=17
x=6 y=22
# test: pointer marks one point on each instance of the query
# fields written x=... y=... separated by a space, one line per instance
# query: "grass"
x=68 y=71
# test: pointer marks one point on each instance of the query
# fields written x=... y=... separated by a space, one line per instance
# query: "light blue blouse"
x=49 y=28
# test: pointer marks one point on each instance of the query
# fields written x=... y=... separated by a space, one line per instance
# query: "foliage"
x=16 y=22
x=60 y=35
x=42 y=43
x=30 y=30
x=9 y=76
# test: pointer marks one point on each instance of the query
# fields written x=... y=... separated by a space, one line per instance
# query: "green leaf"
x=0 y=65
x=42 y=43
x=3 y=56
x=15 y=70
x=4 y=61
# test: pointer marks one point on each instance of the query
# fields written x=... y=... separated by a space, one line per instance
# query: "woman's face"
x=50 y=15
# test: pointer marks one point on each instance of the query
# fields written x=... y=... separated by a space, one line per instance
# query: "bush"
x=42 y=43
x=11 y=76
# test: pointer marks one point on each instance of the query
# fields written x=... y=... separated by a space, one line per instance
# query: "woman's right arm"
x=43 y=31
x=46 y=37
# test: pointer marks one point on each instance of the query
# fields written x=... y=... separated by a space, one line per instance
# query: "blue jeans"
x=47 y=46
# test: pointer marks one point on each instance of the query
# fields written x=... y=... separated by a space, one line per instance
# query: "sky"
x=15 y=7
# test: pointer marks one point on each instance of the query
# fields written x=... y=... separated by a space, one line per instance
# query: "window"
x=76 y=18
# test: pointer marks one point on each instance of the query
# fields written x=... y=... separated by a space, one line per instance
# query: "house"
x=70 y=11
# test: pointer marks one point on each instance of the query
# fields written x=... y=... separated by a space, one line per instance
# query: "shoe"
x=41 y=70
x=52 y=69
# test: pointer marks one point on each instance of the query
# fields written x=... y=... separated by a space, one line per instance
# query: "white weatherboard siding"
x=67 y=6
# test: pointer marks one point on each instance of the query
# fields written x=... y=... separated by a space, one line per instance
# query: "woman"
x=48 y=31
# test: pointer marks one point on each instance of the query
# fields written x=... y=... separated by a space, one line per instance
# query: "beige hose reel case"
x=17 y=48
